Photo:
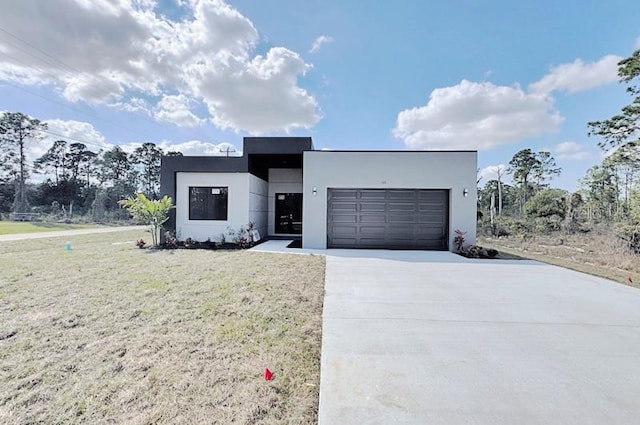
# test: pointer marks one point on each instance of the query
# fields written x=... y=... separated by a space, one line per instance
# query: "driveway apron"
x=433 y=338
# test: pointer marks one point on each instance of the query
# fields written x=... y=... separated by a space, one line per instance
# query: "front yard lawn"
x=109 y=333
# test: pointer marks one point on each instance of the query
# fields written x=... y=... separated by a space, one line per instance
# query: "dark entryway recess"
x=388 y=218
x=288 y=213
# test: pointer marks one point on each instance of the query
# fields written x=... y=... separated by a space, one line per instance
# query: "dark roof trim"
x=395 y=151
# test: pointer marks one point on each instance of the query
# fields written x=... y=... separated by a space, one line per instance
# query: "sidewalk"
x=61 y=233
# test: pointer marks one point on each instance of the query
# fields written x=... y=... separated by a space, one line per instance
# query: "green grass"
x=109 y=333
x=14 y=227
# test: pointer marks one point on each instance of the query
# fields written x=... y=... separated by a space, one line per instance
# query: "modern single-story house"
x=332 y=199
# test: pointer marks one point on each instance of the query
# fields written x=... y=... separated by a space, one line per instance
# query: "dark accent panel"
x=276 y=145
x=259 y=164
x=388 y=218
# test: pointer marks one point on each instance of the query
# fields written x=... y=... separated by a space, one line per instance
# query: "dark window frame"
x=211 y=209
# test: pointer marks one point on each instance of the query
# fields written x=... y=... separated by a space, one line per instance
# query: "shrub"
x=547 y=203
x=630 y=234
x=473 y=251
x=544 y=225
x=170 y=241
x=458 y=240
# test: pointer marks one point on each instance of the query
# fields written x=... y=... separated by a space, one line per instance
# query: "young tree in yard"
x=500 y=172
x=16 y=129
x=116 y=174
x=545 y=170
x=147 y=157
x=116 y=166
x=76 y=158
x=625 y=162
x=493 y=187
x=152 y=212
x=54 y=161
x=531 y=171
x=624 y=127
x=521 y=166
x=601 y=192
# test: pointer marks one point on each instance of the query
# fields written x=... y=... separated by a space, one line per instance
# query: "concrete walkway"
x=433 y=338
x=61 y=233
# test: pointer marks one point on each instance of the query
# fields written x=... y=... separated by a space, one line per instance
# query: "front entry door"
x=289 y=213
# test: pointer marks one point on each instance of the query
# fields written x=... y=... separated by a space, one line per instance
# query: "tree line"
x=74 y=179
x=609 y=193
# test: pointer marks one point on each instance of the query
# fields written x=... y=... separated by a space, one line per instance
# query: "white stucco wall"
x=258 y=203
x=237 y=207
x=388 y=170
x=282 y=180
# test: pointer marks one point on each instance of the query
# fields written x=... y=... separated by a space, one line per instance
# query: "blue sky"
x=196 y=75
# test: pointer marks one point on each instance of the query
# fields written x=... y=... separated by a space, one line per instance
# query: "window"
x=208 y=203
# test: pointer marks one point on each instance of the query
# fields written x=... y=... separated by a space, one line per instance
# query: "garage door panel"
x=401 y=218
x=344 y=218
x=431 y=219
x=432 y=195
x=345 y=206
x=373 y=218
x=370 y=194
x=396 y=195
x=395 y=232
x=344 y=242
x=430 y=233
x=343 y=193
x=372 y=230
x=371 y=241
x=344 y=230
x=372 y=206
x=397 y=207
x=431 y=207
x=387 y=218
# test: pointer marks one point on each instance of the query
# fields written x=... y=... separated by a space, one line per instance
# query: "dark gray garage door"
x=388 y=218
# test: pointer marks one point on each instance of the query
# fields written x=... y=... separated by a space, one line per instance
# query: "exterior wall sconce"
x=465 y=192
x=314 y=191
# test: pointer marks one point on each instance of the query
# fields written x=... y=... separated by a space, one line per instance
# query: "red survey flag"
x=268 y=375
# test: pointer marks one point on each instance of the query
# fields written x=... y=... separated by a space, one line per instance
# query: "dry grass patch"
x=596 y=254
x=108 y=333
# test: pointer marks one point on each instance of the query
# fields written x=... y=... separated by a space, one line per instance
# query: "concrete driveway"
x=433 y=338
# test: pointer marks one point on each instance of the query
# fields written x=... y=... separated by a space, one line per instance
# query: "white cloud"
x=491 y=173
x=76 y=132
x=570 y=151
x=473 y=115
x=190 y=148
x=175 y=109
x=318 y=42
x=124 y=50
x=69 y=131
x=579 y=76
x=198 y=148
x=567 y=147
x=259 y=97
